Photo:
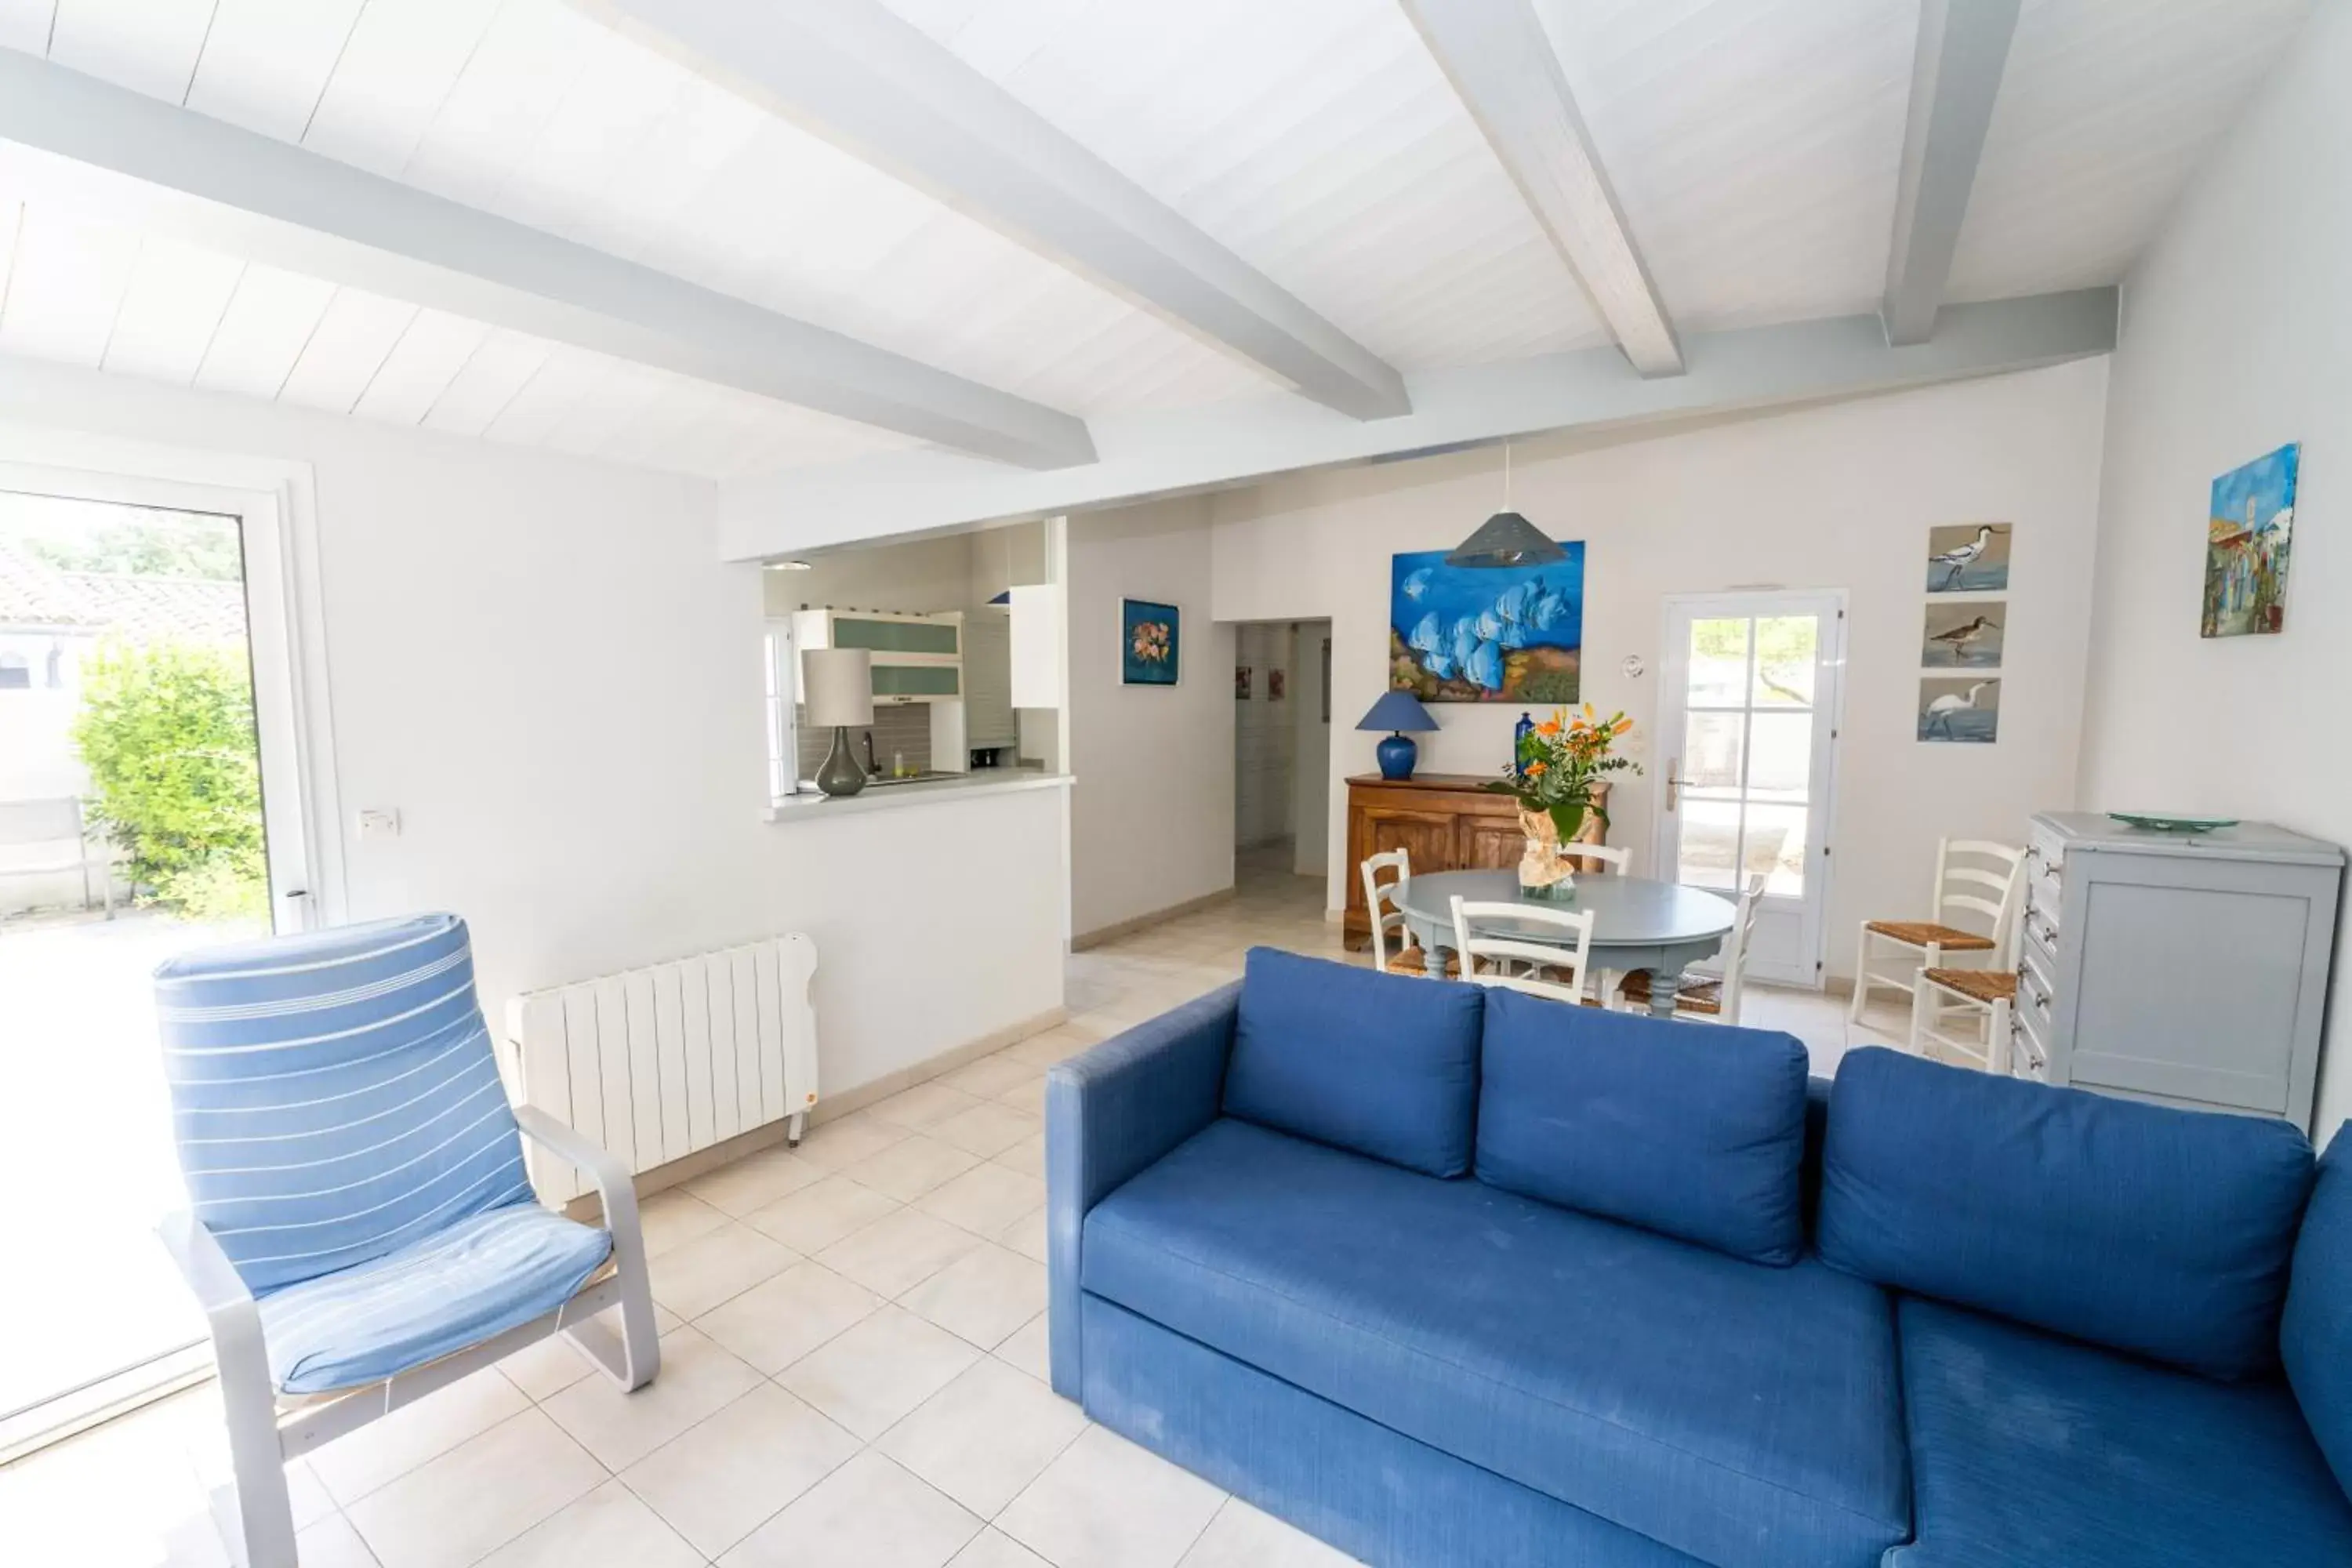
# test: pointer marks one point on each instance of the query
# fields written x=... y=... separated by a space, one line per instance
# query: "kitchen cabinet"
x=1444 y=822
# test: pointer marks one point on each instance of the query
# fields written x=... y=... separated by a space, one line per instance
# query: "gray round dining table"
x=1662 y=927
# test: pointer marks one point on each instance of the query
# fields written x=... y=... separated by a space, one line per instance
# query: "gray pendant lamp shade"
x=1506 y=539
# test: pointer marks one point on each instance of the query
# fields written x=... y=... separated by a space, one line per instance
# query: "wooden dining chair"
x=1986 y=995
x=1976 y=881
x=1380 y=901
x=1554 y=968
x=1710 y=1001
x=1619 y=863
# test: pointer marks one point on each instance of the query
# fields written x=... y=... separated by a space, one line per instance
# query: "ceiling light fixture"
x=1506 y=539
x=789 y=566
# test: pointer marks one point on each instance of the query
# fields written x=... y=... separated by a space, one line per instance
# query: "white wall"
x=1151 y=814
x=539 y=661
x=1836 y=497
x=2234 y=342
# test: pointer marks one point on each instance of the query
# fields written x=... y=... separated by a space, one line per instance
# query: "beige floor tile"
x=1028 y=1156
x=923 y=1106
x=755 y=1181
x=1027 y=1236
x=868 y=1514
x=692 y=1279
x=987 y=1129
x=1242 y=1537
x=817 y=1216
x=359 y=1462
x=671 y=1217
x=984 y=1199
x=609 y=1528
x=330 y=1543
x=908 y=1169
x=985 y=1435
x=776 y=1322
x=1106 y=1503
x=991 y=1548
x=873 y=1374
x=1028 y=1098
x=720 y=1480
x=831 y=1145
x=477 y=1496
x=697 y=1377
x=1055 y=1045
x=898 y=1252
x=1028 y=1350
x=990 y=1075
x=983 y=1296
x=548 y=1367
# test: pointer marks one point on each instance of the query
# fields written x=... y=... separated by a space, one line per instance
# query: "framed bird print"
x=1968 y=558
x=1961 y=711
x=1963 y=634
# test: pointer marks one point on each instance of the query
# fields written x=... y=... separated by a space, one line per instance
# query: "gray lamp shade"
x=837 y=685
x=1506 y=539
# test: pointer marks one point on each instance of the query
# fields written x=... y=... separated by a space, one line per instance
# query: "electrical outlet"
x=379 y=822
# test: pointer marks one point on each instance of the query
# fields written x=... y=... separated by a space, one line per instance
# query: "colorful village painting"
x=2249 y=530
x=1463 y=633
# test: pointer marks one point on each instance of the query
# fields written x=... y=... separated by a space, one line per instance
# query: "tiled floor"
x=853 y=1364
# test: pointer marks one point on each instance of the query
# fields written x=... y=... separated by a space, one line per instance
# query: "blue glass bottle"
x=1520 y=734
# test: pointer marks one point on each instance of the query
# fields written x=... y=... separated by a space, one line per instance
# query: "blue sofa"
x=1453 y=1276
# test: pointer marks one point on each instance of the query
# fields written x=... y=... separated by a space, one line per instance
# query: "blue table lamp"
x=1396 y=713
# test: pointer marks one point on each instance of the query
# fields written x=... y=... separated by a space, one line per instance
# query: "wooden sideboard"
x=1446 y=822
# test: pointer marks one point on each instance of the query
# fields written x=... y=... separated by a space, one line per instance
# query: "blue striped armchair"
x=361 y=1230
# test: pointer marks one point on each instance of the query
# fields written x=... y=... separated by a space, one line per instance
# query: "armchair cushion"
x=334 y=1096
x=457 y=1287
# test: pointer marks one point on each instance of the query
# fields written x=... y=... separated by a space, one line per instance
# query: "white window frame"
x=780 y=676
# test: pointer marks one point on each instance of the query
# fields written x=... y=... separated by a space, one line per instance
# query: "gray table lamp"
x=837 y=685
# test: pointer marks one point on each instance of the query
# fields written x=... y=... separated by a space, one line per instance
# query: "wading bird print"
x=1955 y=562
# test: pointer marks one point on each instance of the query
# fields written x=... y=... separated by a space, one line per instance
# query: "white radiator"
x=656 y=1063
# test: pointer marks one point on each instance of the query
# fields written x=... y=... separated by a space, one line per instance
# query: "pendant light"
x=1506 y=539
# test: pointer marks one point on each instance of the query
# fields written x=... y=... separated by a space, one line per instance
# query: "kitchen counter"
x=811 y=806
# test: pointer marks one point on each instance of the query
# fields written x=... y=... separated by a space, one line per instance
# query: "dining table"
x=1662 y=927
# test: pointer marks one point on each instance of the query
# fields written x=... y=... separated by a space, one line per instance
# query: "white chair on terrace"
x=1380 y=901
x=361 y=1231
x=1975 y=880
x=1542 y=968
x=1710 y=1001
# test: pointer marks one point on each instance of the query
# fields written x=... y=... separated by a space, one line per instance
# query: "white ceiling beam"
x=1503 y=68
x=1955 y=74
x=227 y=188
x=855 y=74
x=1170 y=452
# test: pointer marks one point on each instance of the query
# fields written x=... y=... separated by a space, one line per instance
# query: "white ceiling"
x=1753 y=145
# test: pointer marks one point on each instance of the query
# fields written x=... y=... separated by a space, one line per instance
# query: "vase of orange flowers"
x=1557 y=777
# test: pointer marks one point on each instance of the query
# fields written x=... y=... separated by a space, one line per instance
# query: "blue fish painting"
x=1459 y=634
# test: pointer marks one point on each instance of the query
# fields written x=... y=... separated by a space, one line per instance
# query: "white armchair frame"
x=266 y=1430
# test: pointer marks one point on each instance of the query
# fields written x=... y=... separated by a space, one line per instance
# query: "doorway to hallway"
x=1282 y=742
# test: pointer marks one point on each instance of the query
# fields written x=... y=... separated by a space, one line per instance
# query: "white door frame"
x=293 y=725
x=1829 y=704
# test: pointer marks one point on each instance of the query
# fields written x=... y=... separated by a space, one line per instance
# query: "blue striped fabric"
x=334 y=1095
x=481 y=1276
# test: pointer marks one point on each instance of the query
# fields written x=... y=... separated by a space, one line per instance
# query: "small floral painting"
x=1241 y=683
x=1276 y=681
x=1148 y=647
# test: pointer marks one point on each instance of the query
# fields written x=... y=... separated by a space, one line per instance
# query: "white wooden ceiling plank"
x=66 y=286
x=352 y=338
x=548 y=396
x=173 y=303
x=269 y=318
x=605 y=407
x=428 y=356
x=25 y=24
x=148 y=45
x=398 y=65
x=267 y=62
x=480 y=392
x=515 y=79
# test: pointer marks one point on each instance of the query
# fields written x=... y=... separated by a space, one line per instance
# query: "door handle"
x=1673 y=784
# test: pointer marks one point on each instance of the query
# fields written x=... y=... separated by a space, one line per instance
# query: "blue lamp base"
x=1397 y=754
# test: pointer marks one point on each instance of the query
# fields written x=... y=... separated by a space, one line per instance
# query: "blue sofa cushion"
x=1697 y=1132
x=2315 y=1334
x=1749 y=1416
x=2159 y=1231
x=2027 y=1449
x=1380 y=1064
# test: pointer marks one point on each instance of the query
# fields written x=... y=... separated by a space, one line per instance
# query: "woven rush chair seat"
x=1696 y=997
x=1920 y=933
x=1411 y=962
x=1976 y=984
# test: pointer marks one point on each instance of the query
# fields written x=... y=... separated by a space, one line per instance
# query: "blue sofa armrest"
x=1110 y=1112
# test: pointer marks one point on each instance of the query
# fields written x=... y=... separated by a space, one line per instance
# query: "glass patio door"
x=1746 y=733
